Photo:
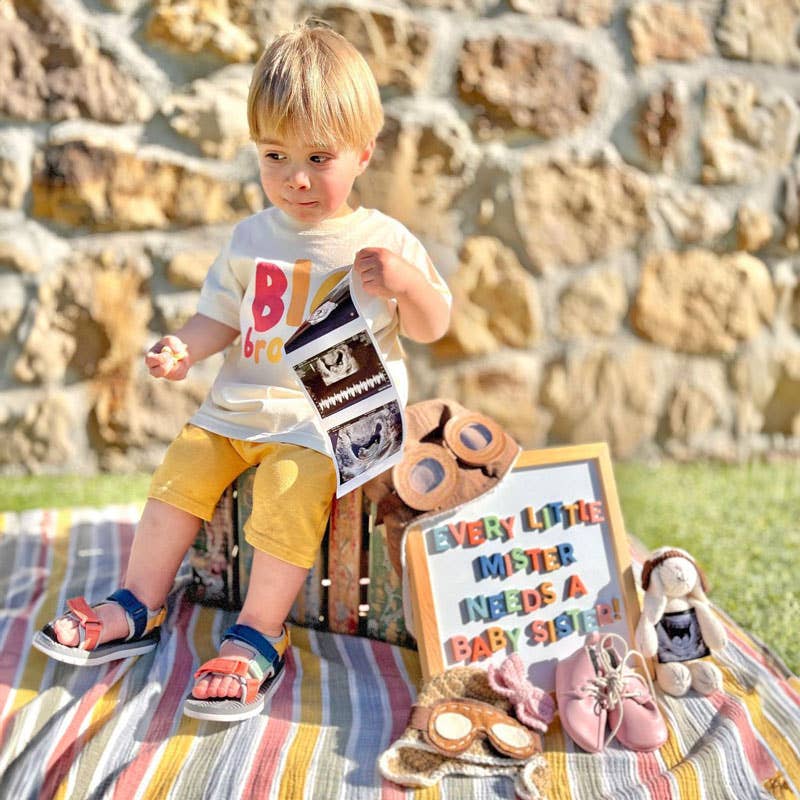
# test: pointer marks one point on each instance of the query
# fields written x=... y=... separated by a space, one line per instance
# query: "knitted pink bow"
x=534 y=707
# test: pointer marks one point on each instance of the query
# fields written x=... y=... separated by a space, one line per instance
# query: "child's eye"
x=320 y=158
x=274 y=156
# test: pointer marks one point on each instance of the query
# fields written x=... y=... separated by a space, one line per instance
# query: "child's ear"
x=366 y=155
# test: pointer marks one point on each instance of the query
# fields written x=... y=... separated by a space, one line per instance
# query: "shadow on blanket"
x=117 y=730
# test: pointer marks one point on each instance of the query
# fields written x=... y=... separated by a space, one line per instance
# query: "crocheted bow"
x=534 y=707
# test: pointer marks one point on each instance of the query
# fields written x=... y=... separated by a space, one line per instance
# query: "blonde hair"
x=313 y=85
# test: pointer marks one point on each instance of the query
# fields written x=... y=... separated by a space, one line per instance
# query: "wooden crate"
x=352 y=588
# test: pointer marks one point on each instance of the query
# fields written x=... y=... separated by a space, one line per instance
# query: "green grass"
x=741 y=523
x=65 y=491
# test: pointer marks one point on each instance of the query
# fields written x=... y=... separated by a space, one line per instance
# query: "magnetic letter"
x=479 y=649
x=566 y=554
x=538 y=630
x=492 y=565
x=530 y=600
x=605 y=616
x=519 y=559
x=548 y=593
x=492 y=528
x=563 y=626
x=476 y=607
x=534 y=555
x=574 y=614
x=589 y=620
x=512 y=600
x=457 y=533
x=575 y=587
x=460 y=647
x=530 y=521
x=572 y=513
x=497 y=606
x=550 y=558
x=508 y=524
x=475 y=535
x=497 y=639
x=555 y=509
x=596 y=512
x=440 y=543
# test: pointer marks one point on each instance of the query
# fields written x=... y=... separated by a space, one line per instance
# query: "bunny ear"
x=647 y=570
x=655 y=601
x=703 y=580
x=700 y=587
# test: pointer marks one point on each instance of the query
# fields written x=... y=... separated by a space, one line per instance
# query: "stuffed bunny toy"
x=677 y=627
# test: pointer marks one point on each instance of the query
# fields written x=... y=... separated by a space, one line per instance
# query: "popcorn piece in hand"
x=169 y=357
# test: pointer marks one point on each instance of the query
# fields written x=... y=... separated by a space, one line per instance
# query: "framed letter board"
x=531 y=567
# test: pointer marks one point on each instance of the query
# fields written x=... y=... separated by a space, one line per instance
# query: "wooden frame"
x=442 y=551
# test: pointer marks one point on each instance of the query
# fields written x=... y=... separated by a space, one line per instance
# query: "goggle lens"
x=454 y=724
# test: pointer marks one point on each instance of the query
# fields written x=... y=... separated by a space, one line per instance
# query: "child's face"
x=309 y=183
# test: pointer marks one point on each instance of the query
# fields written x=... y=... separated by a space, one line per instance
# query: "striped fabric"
x=116 y=731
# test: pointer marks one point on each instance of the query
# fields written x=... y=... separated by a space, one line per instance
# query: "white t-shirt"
x=265 y=282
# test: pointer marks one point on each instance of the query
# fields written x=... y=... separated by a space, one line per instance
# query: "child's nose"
x=297 y=179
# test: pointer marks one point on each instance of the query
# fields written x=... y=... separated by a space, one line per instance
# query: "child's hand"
x=382 y=273
x=168 y=358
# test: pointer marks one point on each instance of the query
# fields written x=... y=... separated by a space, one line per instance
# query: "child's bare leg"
x=274 y=584
x=163 y=536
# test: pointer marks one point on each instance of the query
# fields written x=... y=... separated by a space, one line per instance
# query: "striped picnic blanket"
x=116 y=731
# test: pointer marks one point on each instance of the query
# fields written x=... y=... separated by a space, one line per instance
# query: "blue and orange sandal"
x=259 y=676
x=143 y=632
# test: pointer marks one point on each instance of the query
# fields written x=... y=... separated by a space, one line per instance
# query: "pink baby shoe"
x=633 y=714
x=580 y=694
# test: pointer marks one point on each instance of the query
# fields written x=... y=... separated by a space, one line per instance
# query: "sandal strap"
x=134 y=608
x=266 y=656
x=90 y=623
x=234 y=668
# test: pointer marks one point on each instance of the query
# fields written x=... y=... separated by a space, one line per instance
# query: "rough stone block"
x=505 y=390
x=700 y=302
x=747 y=131
x=517 y=84
x=603 y=395
x=53 y=69
x=670 y=31
x=422 y=163
x=396 y=46
x=495 y=302
x=80 y=185
x=213 y=111
x=569 y=213
x=91 y=317
x=197 y=26
x=593 y=305
x=760 y=30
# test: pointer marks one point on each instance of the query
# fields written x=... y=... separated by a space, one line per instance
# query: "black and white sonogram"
x=361 y=443
x=679 y=637
x=337 y=364
x=336 y=310
x=343 y=375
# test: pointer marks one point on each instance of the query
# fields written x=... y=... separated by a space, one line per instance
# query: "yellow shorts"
x=292 y=492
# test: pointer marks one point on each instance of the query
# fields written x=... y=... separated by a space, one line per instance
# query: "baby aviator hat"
x=451 y=456
x=461 y=726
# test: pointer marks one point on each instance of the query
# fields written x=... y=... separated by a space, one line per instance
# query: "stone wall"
x=612 y=188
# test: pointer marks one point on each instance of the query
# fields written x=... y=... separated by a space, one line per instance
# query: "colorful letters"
x=524 y=603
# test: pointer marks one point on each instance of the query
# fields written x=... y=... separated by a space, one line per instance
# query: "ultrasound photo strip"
x=343 y=375
x=352 y=392
x=360 y=445
x=342 y=372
